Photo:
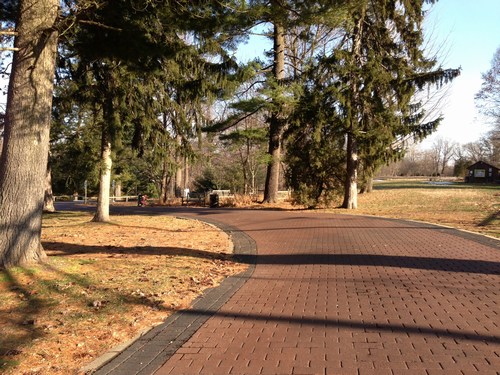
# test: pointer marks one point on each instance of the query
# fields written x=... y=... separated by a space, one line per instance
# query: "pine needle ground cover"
x=102 y=285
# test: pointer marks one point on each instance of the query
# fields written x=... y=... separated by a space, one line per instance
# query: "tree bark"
x=276 y=122
x=110 y=124
x=186 y=174
x=179 y=187
x=368 y=185
x=23 y=163
x=118 y=189
x=48 y=201
x=354 y=116
x=351 y=181
x=102 y=212
x=273 y=168
x=165 y=184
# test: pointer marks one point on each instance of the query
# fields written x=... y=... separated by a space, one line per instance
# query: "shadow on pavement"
x=356 y=325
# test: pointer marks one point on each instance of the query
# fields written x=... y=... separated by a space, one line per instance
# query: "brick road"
x=340 y=294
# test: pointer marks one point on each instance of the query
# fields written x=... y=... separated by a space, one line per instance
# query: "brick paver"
x=339 y=294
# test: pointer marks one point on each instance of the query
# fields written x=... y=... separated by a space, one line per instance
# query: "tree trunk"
x=276 y=123
x=351 y=181
x=48 y=201
x=367 y=186
x=273 y=168
x=165 y=184
x=171 y=185
x=178 y=169
x=354 y=115
x=178 y=182
x=118 y=189
x=110 y=124
x=23 y=163
x=245 y=166
x=102 y=212
x=186 y=174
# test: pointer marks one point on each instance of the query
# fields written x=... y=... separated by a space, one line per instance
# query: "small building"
x=482 y=172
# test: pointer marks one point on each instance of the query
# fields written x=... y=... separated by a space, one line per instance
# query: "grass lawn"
x=104 y=283
x=465 y=206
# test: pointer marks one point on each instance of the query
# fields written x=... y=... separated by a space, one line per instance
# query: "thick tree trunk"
x=351 y=181
x=179 y=186
x=273 y=168
x=178 y=182
x=171 y=185
x=23 y=163
x=276 y=122
x=186 y=174
x=48 y=201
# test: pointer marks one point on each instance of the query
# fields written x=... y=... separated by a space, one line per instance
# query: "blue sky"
x=463 y=33
x=469 y=33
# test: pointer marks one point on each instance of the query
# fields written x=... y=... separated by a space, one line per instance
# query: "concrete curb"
x=152 y=348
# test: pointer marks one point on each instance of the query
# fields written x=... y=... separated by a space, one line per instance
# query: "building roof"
x=482 y=164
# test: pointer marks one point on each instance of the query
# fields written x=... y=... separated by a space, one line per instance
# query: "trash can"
x=214 y=200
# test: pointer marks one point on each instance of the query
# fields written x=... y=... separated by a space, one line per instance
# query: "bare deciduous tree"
x=442 y=152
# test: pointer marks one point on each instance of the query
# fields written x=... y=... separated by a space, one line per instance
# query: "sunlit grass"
x=101 y=285
x=465 y=206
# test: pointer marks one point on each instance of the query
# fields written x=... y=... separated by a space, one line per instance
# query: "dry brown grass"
x=102 y=285
x=470 y=207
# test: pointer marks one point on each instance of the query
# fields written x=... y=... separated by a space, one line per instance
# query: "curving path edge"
x=151 y=349
x=334 y=294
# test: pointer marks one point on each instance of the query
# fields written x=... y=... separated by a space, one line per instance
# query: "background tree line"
x=150 y=95
x=448 y=158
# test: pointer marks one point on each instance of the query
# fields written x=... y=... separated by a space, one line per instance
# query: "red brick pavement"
x=335 y=294
x=339 y=294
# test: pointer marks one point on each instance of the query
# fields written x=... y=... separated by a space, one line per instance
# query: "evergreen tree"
x=369 y=84
x=290 y=25
x=122 y=32
x=247 y=141
x=176 y=69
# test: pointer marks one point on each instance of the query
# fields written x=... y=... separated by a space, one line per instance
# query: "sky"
x=463 y=33
x=468 y=34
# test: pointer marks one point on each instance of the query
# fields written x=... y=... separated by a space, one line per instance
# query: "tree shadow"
x=490 y=219
x=461 y=335
x=373 y=260
x=68 y=249
x=23 y=318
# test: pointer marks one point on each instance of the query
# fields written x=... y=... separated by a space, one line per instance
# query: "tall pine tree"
x=370 y=83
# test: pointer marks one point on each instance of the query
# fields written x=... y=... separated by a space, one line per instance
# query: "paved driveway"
x=336 y=294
